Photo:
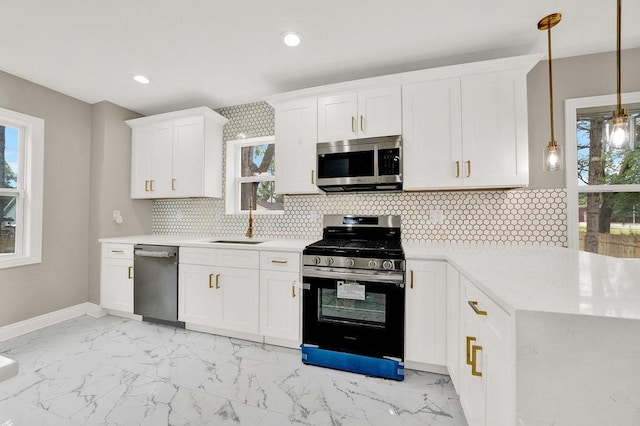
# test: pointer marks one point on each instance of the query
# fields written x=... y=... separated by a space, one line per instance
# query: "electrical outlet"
x=435 y=216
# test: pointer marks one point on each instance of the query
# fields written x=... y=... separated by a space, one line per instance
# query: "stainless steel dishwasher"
x=155 y=284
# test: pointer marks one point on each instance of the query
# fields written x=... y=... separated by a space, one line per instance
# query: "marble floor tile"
x=116 y=371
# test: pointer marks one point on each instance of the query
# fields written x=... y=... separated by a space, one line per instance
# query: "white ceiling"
x=221 y=53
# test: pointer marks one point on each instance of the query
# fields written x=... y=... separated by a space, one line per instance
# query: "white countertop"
x=545 y=279
x=529 y=278
x=204 y=241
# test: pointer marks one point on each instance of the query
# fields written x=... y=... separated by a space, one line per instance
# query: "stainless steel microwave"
x=360 y=165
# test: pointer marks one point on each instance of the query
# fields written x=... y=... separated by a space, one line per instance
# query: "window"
x=21 y=183
x=251 y=176
x=603 y=185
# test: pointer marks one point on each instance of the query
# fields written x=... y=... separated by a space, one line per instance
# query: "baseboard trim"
x=36 y=323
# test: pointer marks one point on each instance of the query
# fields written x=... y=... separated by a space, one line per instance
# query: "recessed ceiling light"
x=291 y=38
x=141 y=79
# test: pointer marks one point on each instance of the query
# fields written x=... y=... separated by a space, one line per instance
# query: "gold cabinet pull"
x=468 y=168
x=217 y=281
x=474 y=306
x=130 y=272
x=117 y=251
x=293 y=291
x=353 y=124
x=281 y=262
x=474 y=360
x=412 y=278
x=151 y=185
x=210 y=280
x=469 y=341
x=457 y=169
x=361 y=122
x=146 y=186
x=173 y=184
x=313 y=181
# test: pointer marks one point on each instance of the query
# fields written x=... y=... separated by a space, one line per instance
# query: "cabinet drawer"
x=117 y=251
x=280 y=261
x=249 y=259
x=496 y=319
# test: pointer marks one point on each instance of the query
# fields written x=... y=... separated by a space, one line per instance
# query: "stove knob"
x=373 y=264
x=350 y=262
x=329 y=261
x=387 y=264
x=316 y=260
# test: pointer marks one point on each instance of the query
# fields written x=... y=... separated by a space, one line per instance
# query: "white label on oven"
x=350 y=290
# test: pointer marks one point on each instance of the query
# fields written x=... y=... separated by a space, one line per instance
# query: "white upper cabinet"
x=466 y=132
x=177 y=155
x=296 y=137
x=363 y=114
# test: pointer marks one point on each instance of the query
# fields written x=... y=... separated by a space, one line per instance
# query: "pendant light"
x=618 y=130
x=552 y=152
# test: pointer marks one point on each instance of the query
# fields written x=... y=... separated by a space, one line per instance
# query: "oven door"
x=359 y=316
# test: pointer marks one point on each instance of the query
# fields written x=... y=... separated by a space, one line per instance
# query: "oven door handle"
x=390 y=278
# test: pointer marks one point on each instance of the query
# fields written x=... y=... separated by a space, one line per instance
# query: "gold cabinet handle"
x=353 y=124
x=151 y=185
x=130 y=272
x=146 y=186
x=173 y=184
x=412 y=278
x=313 y=181
x=474 y=306
x=117 y=251
x=217 y=281
x=293 y=291
x=210 y=280
x=457 y=169
x=468 y=168
x=469 y=341
x=474 y=360
x=281 y=262
x=361 y=122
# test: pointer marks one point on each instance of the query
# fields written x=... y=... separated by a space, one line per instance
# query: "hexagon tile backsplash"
x=486 y=217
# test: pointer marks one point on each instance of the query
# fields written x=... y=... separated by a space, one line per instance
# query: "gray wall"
x=576 y=77
x=110 y=186
x=61 y=279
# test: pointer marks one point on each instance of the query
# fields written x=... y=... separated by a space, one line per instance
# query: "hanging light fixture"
x=618 y=130
x=552 y=153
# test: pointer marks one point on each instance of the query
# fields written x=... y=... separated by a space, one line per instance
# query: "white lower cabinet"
x=453 y=323
x=425 y=314
x=280 y=298
x=487 y=365
x=116 y=277
x=241 y=293
x=222 y=299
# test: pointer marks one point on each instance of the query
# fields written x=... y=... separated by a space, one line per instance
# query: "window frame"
x=30 y=189
x=571 y=107
x=233 y=179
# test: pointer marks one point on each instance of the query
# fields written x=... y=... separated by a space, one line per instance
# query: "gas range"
x=363 y=243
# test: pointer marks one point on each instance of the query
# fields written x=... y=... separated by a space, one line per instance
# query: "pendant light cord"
x=618 y=29
x=553 y=139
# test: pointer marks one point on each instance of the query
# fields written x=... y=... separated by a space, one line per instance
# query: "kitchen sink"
x=235 y=242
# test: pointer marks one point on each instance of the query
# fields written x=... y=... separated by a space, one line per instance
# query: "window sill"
x=13 y=260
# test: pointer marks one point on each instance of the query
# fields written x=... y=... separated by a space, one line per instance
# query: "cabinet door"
x=239 y=292
x=432 y=135
x=280 y=306
x=379 y=112
x=500 y=386
x=116 y=284
x=473 y=394
x=494 y=131
x=141 y=149
x=453 y=323
x=337 y=117
x=161 y=160
x=296 y=137
x=198 y=302
x=188 y=157
x=425 y=316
